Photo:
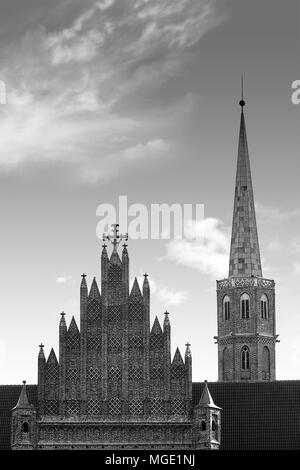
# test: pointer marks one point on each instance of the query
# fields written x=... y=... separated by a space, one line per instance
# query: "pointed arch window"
x=245 y=306
x=245 y=358
x=264 y=307
x=266 y=364
x=226 y=308
x=25 y=428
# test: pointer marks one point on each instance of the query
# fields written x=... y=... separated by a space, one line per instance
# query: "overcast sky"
x=140 y=98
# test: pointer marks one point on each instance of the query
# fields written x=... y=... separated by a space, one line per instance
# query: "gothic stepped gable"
x=115 y=367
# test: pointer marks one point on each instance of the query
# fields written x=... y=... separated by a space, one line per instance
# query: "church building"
x=114 y=385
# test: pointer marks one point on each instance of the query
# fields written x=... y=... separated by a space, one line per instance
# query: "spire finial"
x=115 y=238
x=242 y=102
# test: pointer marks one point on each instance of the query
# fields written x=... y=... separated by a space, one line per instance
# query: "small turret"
x=41 y=378
x=207 y=423
x=188 y=374
x=23 y=428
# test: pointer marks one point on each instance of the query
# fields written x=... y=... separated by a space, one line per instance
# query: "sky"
x=140 y=98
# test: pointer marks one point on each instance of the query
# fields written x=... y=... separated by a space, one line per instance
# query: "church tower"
x=23 y=426
x=246 y=300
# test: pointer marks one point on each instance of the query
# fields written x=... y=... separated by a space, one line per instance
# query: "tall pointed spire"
x=244 y=252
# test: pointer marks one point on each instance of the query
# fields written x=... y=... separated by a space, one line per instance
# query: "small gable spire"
x=156 y=328
x=135 y=291
x=23 y=401
x=206 y=398
x=177 y=360
x=94 y=290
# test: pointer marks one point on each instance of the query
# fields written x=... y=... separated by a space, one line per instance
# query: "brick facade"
x=114 y=384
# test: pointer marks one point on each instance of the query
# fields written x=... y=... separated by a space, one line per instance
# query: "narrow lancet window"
x=245 y=306
x=245 y=358
x=264 y=307
x=226 y=308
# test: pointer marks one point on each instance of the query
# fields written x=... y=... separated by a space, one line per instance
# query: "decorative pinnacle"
x=188 y=351
x=242 y=102
x=115 y=238
x=24 y=382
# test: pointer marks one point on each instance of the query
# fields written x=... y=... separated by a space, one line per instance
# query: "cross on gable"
x=115 y=238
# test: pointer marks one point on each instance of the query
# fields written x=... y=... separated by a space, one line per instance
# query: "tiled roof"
x=255 y=416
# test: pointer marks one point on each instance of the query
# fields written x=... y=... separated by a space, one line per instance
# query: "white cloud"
x=61 y=112
x=296 y=352
x=208 y=252
x=64 y=279
x=274 y=245
x=171 y=297
x=275 y=214
x=296 y=267
x=3 y=355
x=296 y=245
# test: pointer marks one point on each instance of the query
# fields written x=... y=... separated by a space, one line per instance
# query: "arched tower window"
x=264 y=307
x=226 y=364
x=25 y=428
x=245 y=306
x=226 y=308
x=203 y=425
x=245 y=358
x=266 y=364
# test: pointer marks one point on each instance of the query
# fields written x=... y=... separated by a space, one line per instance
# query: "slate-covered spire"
x=206 y=398
x=23 y=401
x=244 y=252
